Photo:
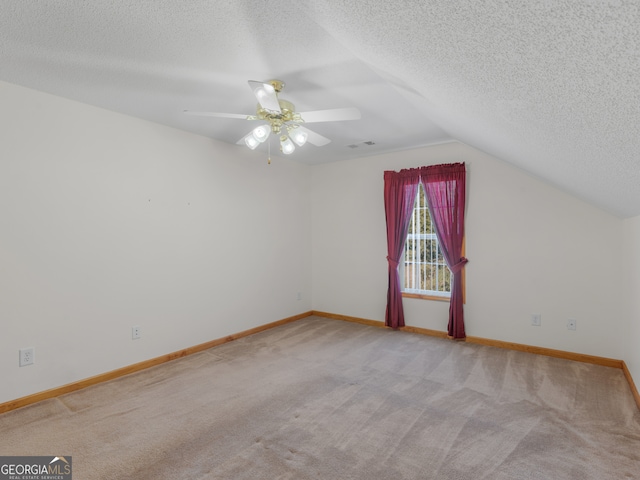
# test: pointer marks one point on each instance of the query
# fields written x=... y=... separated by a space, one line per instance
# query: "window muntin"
x=425 y=271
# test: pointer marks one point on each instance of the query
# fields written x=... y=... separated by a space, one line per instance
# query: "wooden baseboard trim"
x=378 y=323
x=425 y=331
x=346 y=318
x=549 y=352
x=577 y=357
x=629 y=378
x=105 y=377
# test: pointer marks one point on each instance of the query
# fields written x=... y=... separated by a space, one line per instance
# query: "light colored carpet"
x=326 y=399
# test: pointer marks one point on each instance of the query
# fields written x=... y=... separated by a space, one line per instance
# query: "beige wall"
x=631 y=287
x=531 y=249
x=109 y=221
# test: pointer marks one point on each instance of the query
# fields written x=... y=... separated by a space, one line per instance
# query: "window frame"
x=438 y=298
x=429 y=294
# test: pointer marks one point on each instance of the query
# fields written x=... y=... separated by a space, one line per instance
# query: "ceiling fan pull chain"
x=269 y=157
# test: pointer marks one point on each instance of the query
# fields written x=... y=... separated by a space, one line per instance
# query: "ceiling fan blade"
x=266 y=95
x=219 y=115
x=332 y=115
x=314 y=138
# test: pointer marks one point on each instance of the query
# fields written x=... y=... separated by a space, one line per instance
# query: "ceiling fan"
x=282 y=119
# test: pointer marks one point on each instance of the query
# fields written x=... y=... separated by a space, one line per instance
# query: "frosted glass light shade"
x=299 y=137
x=286 y=145
x=261 y=133
x=251 y=142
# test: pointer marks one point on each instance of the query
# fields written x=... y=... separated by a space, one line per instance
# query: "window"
x=425 y=271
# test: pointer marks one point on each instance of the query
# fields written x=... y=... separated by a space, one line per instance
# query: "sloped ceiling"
x=551 y=86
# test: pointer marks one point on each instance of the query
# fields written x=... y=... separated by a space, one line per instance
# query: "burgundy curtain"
x=400 y=189
x=445 y=188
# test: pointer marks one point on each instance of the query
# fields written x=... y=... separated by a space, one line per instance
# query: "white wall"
x=631 y=334
x=531 y=249
x=109 y=221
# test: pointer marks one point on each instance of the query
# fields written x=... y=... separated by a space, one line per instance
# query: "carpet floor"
x=326 y=399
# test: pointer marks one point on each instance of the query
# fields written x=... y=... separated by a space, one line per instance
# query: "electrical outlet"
x=27 y=356
x=536 y=319
x=299 y=297
x=135 y=333
x=572 y=324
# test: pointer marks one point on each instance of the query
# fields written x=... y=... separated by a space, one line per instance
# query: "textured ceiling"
x=550 y=86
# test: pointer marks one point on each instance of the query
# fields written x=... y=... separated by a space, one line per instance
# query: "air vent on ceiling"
x=356 y=145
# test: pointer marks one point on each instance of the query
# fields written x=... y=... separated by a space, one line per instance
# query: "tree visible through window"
x=425 y=271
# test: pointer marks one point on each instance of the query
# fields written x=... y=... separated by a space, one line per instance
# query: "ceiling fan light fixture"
x=286 y=145
x=251 y=141
x=261 y=133
x=279 y=115
x=299 y=137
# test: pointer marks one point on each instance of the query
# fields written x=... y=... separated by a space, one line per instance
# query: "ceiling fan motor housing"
x=277 y=119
